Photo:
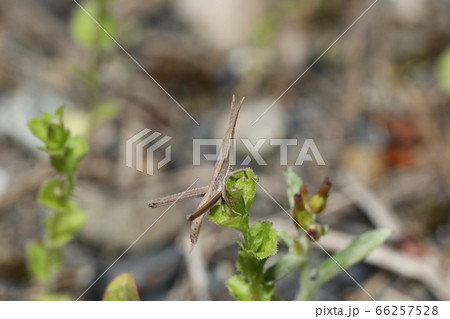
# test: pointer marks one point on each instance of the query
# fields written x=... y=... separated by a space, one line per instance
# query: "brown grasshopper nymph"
x=216 y=188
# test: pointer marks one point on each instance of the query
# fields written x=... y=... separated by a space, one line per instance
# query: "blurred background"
x=377 y=105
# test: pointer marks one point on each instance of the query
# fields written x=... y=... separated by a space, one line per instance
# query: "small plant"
x=260 y=239
x=64 y=218
x=254 y=281
x=97 y=41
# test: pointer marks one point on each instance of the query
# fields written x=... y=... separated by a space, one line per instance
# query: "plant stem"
x=255 y=290
x=306 y=289
x=71 y=186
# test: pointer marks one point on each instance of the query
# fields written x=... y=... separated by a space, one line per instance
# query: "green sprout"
x=64 y=218
x=257 y=282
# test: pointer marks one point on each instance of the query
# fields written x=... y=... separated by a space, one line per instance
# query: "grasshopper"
x=216 y=188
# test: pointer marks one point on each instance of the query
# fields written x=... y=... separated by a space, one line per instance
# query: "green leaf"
x=39 y=128
x=247 y=183
x=243 y=290
x=57 y=136
x=121 y=288
x=86 y=32
x=62 y=226
x=241 y=191
x=357 y=250
x=52 y=194
x=284 y=266
x=294 y=183
x=443 y=71
x=239 y=288
x=76 y=148
x=222 y=215
x=43 y=261
x=262 y=241
x=59 y=113
x=249 y=266
x=54 y=135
